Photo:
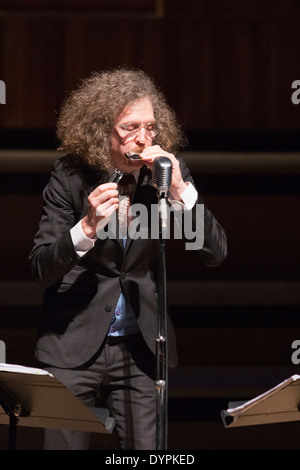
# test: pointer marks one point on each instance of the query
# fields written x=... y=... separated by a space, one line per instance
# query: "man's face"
x=139 y=112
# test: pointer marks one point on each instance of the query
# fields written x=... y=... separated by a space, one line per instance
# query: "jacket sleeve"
x=53 y=253
x=214 y=248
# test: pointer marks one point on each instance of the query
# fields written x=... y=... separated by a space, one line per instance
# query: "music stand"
x=277 y=405
x=34 y=398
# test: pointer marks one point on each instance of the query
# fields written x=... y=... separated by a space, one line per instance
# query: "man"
x=98 y=330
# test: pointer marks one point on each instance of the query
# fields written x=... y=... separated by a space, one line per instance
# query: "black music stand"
x=34 y=398
x=277 y=405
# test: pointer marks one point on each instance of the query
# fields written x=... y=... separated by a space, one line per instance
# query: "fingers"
x=151 y=153
x=104 y=200
x=177 y=183
x=103 y=193
x=107 y=208
x=102 y=188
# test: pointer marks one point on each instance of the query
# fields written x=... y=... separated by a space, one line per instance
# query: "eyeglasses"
x=130 y=129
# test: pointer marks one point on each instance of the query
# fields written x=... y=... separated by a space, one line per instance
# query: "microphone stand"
x=161 y=340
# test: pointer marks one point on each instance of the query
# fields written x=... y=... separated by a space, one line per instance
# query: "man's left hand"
x=177 y=185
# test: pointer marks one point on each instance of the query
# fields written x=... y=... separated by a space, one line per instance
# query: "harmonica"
x=132 y=156
x=116 y=176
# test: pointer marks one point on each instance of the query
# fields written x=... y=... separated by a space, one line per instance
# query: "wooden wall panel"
x=234 y=9
x=103 y=6
x=221 y=66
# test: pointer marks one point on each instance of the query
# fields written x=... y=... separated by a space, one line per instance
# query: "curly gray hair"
x=88 y=115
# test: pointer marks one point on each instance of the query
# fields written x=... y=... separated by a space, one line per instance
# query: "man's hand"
x=177 y=185
x=103 y=201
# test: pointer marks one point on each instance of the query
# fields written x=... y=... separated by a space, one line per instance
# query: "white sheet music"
x=22 y=369
x=237 y=411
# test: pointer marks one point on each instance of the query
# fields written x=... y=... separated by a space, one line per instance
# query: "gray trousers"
x=123 y=372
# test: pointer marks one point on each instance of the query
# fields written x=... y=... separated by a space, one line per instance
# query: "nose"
x=141 y=136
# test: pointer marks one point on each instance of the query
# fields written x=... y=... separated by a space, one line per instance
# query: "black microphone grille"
x=162 y=173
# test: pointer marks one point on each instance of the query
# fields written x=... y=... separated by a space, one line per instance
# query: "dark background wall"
x=226 y=67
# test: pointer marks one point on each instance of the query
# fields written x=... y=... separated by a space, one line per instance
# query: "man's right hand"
x=103 y=202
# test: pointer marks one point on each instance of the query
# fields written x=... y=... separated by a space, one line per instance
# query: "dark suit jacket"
x=81 y=294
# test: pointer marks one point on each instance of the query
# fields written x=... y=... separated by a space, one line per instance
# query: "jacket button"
x=123 y=275
x=108 y=307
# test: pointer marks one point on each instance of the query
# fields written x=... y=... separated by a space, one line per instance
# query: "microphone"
x=162 y=175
